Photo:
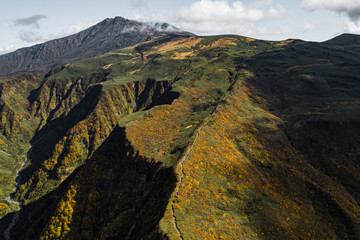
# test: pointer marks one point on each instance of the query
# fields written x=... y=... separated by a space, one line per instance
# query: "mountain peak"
x=109 y=34
x=120 y=18
x=138 y=26
x=117 y=18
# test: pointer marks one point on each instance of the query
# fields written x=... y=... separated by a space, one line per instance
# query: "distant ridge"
x=345 y=38
x=111 y=33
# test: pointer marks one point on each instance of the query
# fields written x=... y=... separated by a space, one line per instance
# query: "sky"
x=28 y=22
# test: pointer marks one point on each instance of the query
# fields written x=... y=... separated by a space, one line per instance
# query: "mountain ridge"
x=109 y=34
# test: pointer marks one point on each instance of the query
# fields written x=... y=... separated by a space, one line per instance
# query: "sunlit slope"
x=103 y=90
x=66 y=114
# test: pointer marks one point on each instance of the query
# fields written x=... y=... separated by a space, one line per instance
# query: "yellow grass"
x=107 y=66
x=250 y=40
x=284 y=43
x=222 y=42
x=182 y=55
x=124 y=54
x=182 y=43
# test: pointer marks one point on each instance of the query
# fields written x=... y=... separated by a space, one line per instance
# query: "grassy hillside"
x=77 y=106
x=221 y=137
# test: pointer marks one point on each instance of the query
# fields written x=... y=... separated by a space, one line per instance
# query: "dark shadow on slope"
x=338 y=219
x=148 y=93
x=315 y=89
x=44 y=141
x=120 y=195
x=38 y=211
x=331 y=147
x=155 y=93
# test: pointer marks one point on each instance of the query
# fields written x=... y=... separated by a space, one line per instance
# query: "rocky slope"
x=105 y=36
x=222 y=137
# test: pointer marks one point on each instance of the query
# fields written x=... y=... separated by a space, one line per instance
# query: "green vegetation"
x=16 y=129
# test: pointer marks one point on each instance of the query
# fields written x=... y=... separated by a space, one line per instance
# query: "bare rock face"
x=105 y=36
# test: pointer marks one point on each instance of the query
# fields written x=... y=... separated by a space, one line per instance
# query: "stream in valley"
x=15 y=218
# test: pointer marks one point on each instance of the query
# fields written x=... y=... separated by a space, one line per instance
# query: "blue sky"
x=28 y=22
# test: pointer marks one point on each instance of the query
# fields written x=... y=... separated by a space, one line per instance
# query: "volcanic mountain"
x=186 y=137
x=110 y=34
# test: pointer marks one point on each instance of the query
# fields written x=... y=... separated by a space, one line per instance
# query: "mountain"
x=107 y=35
x=186 y=137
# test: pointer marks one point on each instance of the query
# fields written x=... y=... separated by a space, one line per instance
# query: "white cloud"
x=209 y=10
x=72 y=29
x=349 y=8
x=352 y=26
x=30 y=36
x=10 y=48
x=153 y=17
x=151 y=26
x=218 y=16
x=33 y=37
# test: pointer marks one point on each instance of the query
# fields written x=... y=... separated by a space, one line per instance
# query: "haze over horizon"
x=314 y=20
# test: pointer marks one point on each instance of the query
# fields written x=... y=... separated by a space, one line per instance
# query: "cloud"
x=10 y=48
x=352 y=26
x=150 y=26
x=153 y=17
x=350 y=8
x=30 y=36
x=33 y=21
x=72 y=29
x=215 y=16
x=75 y=28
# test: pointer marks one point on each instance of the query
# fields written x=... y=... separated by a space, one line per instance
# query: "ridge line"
x=180 y=176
